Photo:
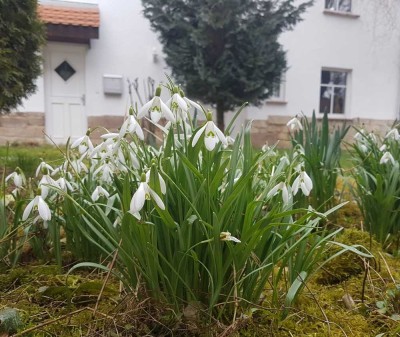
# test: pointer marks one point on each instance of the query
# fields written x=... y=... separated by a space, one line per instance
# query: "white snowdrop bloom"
x=43 y=168
x=78 y=166
x=39 y=204
x=360 y=135
x=304 y=182
x=143 y=193
x=105 y=172
x=226 y=236
x=84 y=144
x=294 y=124
x=131 y=126
x=383 y=148
x=161 y=179
x=64 y=184
x=45 y=184
x=157 y=108
x=99 y=192
x=280 y=187
x=179 y=106
x=386 y=158
x=17 y=178
x=212 y=135
x=394 y=133
x=192 y=104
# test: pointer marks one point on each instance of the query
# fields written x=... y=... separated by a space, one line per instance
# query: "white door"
x=64 y=73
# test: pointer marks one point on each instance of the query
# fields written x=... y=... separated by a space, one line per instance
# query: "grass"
x=27 y=157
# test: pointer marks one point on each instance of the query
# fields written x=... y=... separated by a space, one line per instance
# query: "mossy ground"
x=349 y=296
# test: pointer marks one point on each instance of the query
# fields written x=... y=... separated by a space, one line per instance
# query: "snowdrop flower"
x=143 y=193
x=294 y=124
x=131 y=126
x=99 y=192
x=44 y=168
x=105 y=171
x=387 y=157
x=64 y=184
x=359 y=136
x=179 y=106
x=280 y=187
x=39 y=204
x=45 y=183
x=17 y=177
x=157 y=109
x=394 y=133
x=161 y=179
x=84 y=144
x=383 y=148
x=212 y=135
x=226 y=236
x=304 y=182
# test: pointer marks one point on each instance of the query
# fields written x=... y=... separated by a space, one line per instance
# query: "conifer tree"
x=224 y=52
x=21 y=36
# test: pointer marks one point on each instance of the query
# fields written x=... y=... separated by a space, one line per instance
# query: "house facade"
x=343 y=58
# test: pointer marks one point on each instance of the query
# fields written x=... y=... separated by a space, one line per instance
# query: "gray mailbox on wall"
x=113 y=84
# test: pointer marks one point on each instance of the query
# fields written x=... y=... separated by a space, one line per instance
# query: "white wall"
x=125 y=47
x=368 y=45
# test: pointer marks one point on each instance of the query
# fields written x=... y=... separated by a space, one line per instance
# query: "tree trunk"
x=220 y=116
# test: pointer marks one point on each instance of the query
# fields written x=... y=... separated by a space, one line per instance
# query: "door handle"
x=83 y=99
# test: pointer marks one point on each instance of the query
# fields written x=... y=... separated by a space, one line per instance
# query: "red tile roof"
x=74 y=16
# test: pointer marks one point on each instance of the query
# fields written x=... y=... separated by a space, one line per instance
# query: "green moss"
x=347 y=264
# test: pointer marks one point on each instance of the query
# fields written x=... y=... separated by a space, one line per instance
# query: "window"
x=333 y=91
x=278 y=90
x=338 y=5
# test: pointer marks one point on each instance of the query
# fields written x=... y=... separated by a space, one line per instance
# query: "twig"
x=388 y=269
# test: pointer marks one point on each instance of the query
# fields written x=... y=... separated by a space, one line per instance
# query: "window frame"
x=336 y=8
x=347 y=88
x=281 y=97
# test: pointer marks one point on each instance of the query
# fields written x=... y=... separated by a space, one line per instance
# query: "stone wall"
x=29 y=128
x=22 y=128
x=274 y=129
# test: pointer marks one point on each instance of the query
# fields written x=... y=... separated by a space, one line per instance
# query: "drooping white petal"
x=274 y=190
x=304 y=189
x=308 y=182
x=162 y=184
x=28 y=209
x=295 y=186
x=77 y=142
x=18 y=180
x=198 y=134
x=220 y=135
x=138 y=199
x=139 y=132
x=193 y=104
x=167 y=113
x=285 y=194
x=44 y=210
x=145 y=108
x=181 y=102
x=157 y=199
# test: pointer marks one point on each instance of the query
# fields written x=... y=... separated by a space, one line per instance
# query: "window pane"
x=344 y=5
x=338 y=78
x=339 y=100
x=325 y=99
x=325 y=77
x=330 y=4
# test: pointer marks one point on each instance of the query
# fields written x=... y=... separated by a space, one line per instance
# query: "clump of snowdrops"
x=320 y=146
x=377 y=177
x=201 y=220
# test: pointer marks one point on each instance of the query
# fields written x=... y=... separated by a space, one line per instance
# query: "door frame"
x=47 y=75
